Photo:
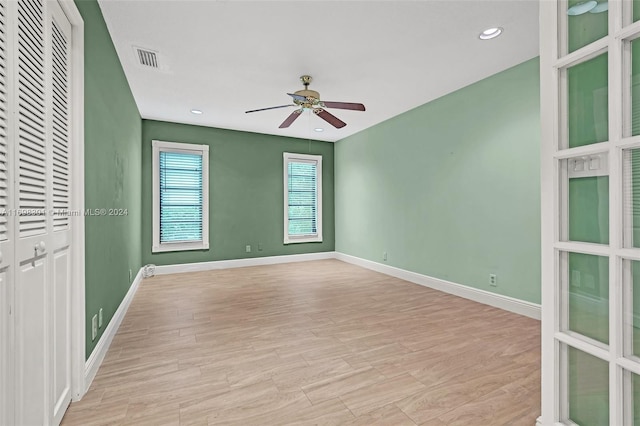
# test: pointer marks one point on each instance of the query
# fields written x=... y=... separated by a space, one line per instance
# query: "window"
x=302 y=198
x=180 y=196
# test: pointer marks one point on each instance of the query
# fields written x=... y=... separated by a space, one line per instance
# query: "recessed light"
x=581 y=8
x=490 y=33
x=603 y=6
x=196 y=111
x=319 y=129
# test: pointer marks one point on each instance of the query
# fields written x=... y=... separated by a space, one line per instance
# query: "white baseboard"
x=241 y=263
x=531 y=310
x=100 y=351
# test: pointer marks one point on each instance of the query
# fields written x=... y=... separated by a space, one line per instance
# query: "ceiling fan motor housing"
x=313 y=98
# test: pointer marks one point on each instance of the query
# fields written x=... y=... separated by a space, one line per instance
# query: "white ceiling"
x=226 y=57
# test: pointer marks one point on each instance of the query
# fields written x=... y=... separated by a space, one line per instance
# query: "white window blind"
x=303 y=198
x=180 y=196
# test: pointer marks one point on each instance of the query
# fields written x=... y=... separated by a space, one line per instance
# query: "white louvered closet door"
x=33 y=261
x=42 y=284
x=32 y=242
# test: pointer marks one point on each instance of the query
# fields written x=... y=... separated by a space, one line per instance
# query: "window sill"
x=166 y=247
x=303 y=239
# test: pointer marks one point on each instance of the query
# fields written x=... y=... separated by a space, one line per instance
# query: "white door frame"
x=552 y=61
x=78 y=357
x=548 y=117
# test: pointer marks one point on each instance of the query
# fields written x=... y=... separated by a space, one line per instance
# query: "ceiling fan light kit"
x=308 y=99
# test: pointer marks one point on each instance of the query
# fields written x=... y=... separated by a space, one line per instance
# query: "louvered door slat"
x=30 y=123
x=32 y=119
x=32 y=12
x=30 y=92
x=28 y=64
x=29 y=34
x=31 y=153
x=61 y=157
x=30 y=99
x=62 y=165
x=57 y=96
x=60 y=134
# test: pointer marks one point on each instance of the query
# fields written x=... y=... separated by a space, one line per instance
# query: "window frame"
x=304 y=158
x=185 y=148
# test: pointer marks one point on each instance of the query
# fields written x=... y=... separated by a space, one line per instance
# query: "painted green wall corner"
x=246 y=204
x=451 y=189
x=112 y=173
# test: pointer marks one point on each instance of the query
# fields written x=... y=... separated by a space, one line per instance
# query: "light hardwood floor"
x=319 y=342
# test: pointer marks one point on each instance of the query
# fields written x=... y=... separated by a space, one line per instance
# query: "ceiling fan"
x=310 y=100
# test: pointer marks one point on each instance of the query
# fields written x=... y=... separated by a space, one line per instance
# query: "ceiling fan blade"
x=344 y=105
x=297 y=97
x=329 y=118
x=290 y=119
x=265 y=109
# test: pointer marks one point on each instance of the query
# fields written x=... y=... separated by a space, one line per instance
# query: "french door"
x=35 y=232
x=590 y=100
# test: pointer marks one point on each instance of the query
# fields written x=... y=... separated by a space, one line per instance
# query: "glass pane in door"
x=632 y=308
x=587 y=22
x=587 y=102
x=631 y=197
x=588 y=389
x=587 y=296
x=632 y=399
x=634 y=125
x=589 y=209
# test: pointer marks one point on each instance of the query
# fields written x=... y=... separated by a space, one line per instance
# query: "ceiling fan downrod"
x=306 y=80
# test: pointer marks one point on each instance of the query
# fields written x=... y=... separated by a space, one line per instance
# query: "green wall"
x=246 y=204
x=451 y=189
x=112 y=173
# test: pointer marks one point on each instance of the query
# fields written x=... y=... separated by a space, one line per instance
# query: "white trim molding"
x=288 y=158
x=528 y=309
x=100 y=351
x=77 y=199
x=182 y=148
x=242 y=263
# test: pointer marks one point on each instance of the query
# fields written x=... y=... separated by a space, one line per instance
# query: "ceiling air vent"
x=146 y=58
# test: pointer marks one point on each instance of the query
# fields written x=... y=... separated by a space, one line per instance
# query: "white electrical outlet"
x=248 y=248
x=130 y=275
x=493 y=280
x=100 y=318
x=94 y=327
